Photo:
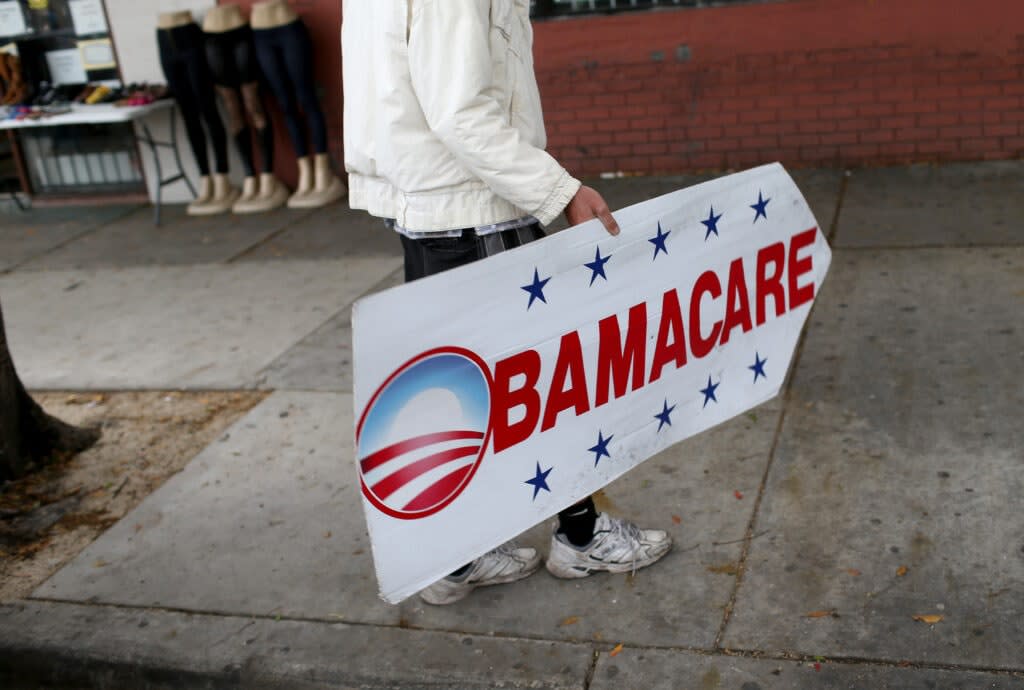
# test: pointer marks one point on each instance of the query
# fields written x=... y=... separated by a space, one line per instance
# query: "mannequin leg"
x=271 y=58
x=202 y=85
x=176 y=70
x=270 y=193
x=305 y=186
x=327 y=188
x=298 y=55
x=220 y=59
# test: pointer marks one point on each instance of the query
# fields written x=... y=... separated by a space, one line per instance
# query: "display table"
x=112 y=114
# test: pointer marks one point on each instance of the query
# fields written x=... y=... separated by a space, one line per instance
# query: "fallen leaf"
x=571 y=620
x=822 y=613
x=615 y=652
x=930 y=619
x=724 y=569
x=598 y=637
x=676 y=519
x=853 y=572
x=327 y=534
x=901 y=571
x=100 y=563
x=738 y=495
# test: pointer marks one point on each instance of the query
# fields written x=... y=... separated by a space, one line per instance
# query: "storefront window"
x=552 y=8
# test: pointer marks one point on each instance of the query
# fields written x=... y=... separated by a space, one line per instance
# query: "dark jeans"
x=183 y=59
x=425 y=257
x=429 y=256
x=286 y=55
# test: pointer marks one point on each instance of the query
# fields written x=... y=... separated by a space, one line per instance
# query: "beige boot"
x=272 y=194
x=305 y=186
x=204 y=196
x=250 y=191
x=224 y=196
x=327 y=188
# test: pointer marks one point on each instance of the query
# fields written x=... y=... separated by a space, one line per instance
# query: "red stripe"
x=384 y=454
x=391 y=483
x=439 y=490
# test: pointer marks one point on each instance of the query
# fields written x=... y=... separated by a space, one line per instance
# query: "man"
x=444 y=139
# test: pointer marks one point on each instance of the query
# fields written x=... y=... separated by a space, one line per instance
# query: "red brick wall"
x=805 y=82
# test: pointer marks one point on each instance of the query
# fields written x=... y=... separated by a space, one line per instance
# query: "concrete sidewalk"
x=896 y=445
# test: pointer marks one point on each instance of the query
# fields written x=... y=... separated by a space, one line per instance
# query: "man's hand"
x=589 y=204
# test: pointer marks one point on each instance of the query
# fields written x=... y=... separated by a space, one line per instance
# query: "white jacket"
x=443 y=124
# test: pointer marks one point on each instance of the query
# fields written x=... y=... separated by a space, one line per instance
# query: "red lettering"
x=671 y=325
x=800 y=294
x=770 y=286
x=560 y=398
x=707 y=282
x=526 y=364
x=737 y=302
x=616 y=359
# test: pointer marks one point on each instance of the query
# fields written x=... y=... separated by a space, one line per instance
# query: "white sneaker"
x=507 y=563
x=618 y=546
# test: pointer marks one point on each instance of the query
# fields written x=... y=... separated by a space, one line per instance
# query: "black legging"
x=232 y=60
x=184 y=65
x=286 y=55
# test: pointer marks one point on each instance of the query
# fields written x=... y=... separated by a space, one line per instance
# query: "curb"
x=51 y=644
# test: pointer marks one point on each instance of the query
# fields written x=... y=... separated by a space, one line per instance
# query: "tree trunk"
x=29 y=438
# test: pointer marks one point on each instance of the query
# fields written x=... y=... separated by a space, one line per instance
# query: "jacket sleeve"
x=451 y=69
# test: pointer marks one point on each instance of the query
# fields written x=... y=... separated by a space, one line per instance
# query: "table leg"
x=148 y=140
x=177 y=155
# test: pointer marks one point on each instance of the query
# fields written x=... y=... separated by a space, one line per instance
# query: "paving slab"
x=25 y=235
x=322 y=361
x=134 y=240
x=266 y=521
x=63 y=645
x=964 y=204
x=656 y=669
x=172 y=327
x=688 y=490
x=333 y=232
x=901 y=449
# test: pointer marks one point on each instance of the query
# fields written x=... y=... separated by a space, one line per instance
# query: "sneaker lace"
x=506 y=549
x=627 y=531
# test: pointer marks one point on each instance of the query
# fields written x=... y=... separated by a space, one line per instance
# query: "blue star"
x=601 y=448
x=711 y=224
x=709 y=392
x=760 y=206
x=597 y=266
x=536 y=288
x=664 y=418
x=758 y=366
x=659 y=242
x=539 y=481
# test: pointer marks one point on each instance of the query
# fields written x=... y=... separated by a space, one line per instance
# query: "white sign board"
x=492 y=396
x=88 y=17
x=12 y=19
x=66 y=66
